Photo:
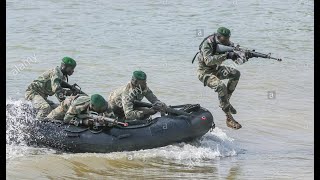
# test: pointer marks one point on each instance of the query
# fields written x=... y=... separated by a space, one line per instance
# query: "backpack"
x=214 y=45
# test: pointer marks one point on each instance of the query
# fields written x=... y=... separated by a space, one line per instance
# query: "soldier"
x=48 y=84
x=210 y=71
x=122 y=100
x=78 y=111
x=59 y=112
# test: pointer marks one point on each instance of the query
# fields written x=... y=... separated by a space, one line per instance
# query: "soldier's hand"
x=160 y=106
x=73 y=86
x=232 y=55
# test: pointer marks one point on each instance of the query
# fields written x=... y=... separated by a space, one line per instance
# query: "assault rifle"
x=245 y=53
x=75 y=88
x=104 y=121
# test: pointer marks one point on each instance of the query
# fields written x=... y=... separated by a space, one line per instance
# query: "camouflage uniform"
x=59 y=112
x=45 y=85
x=210 y=71
x=79 y=109
x=121 y=101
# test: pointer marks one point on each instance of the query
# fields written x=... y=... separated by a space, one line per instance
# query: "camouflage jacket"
x=79 y=108
x=207 y=61
x=48 y=83
x=124 y=98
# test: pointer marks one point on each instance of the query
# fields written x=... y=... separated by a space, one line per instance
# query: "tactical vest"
x=212 y=38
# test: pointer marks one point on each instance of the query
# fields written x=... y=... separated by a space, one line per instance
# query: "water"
x=110 y=39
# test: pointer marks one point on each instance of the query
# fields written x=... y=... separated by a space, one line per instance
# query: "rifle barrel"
x=257 y=54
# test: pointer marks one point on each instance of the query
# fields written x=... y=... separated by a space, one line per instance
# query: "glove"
x=232 y=55
x=158 y=105
x=74 y=89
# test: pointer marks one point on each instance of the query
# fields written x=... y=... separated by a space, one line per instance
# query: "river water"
x=110 y=39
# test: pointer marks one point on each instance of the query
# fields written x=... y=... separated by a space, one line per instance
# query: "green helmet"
x=224 y=31
x=69 y=62
x=99 y=103
x=140 y=75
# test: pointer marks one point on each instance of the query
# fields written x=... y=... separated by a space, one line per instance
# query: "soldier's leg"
x=215 y=83
x=233 y=76
x=41 y=105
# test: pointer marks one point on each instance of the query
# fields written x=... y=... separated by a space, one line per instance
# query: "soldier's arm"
x=211 y=59
x=56 y=87
x=71 y=113
x=129 y=111
x=151 y=97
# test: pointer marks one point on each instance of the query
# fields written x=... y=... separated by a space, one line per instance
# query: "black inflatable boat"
x=144 y=134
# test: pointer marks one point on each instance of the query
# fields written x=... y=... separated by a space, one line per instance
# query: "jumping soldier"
x=211 y=72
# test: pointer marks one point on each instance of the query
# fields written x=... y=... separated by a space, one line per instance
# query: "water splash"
x=19 y=114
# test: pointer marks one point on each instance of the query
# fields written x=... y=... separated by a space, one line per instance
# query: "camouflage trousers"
x=40 y=103
x=59 y=112
x=214 y=81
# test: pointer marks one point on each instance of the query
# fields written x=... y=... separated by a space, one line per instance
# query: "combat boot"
x=232 y=123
